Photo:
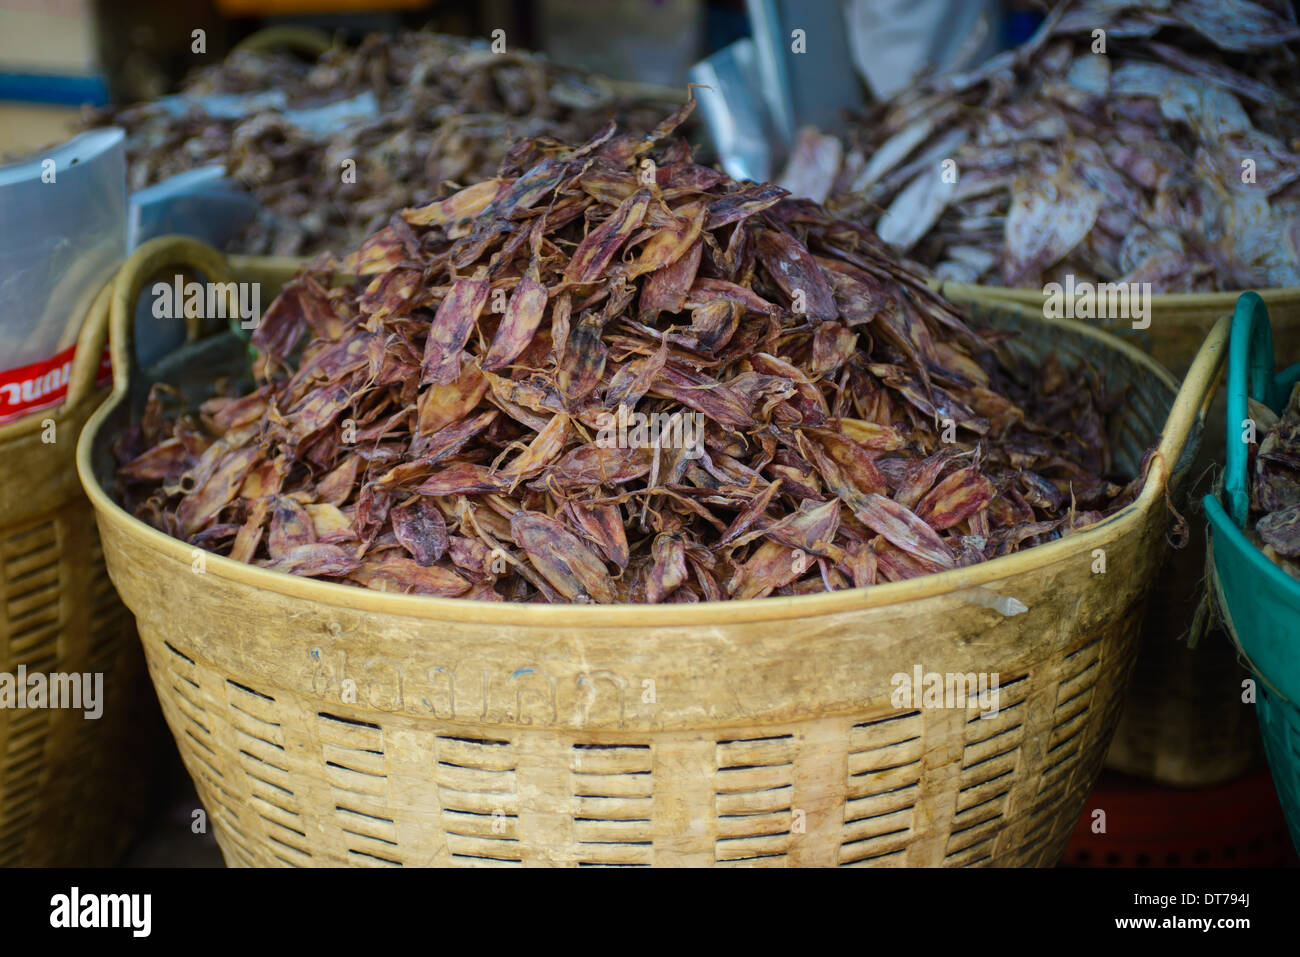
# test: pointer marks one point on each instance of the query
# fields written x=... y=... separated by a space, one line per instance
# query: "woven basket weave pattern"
x=62 y=797
x=1184 y=723
x=291 y=783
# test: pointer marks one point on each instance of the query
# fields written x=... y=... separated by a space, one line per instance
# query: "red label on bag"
x=42 y=385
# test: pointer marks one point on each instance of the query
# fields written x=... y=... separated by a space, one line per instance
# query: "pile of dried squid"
x=1136 y=141
x=441 y=424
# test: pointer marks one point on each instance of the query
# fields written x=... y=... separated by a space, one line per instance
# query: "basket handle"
x=1192 y=404
x=90 y=346
x=295 y=39
x=145 y=263
x=1250 y=372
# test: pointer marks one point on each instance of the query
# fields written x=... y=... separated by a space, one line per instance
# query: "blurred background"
x=56 y=55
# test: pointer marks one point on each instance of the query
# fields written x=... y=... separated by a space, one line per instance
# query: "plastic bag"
x=62 y=235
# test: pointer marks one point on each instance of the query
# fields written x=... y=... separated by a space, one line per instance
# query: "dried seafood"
x=1171 y=158
x=445 y=110
x=611 y=374
x=1275 y=484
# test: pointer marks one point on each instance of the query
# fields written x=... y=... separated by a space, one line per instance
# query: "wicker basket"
x=66 y=796
x=325 y=724
x=1183 y=723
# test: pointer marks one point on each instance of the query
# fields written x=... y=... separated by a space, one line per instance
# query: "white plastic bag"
x=62 y=235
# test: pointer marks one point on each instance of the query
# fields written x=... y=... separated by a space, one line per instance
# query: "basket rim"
x=1220 y=299
x=1191 y=400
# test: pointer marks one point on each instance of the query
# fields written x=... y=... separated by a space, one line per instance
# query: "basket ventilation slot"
x=356 y=766
x=1074 y=693
x=988 y=770
x=884 y=768
x=753 y=795
x=192 y=726
x=259 y=742
x=31 y=579
x=480 y=804
x=23 y=764
x=613 y=795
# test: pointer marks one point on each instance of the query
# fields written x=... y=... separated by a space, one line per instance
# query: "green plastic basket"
x=1260 y=602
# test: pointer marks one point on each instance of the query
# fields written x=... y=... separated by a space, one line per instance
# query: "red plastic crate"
x=1238 y=824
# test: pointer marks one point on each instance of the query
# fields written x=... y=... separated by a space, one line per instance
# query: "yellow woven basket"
x=325 y=724
x=1184 y=724
x=1179 y=321
x=72 y=789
